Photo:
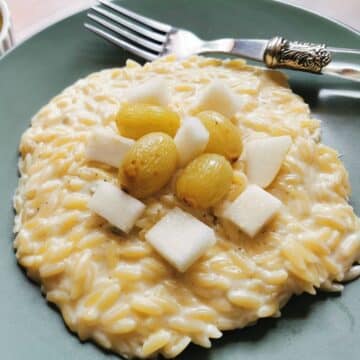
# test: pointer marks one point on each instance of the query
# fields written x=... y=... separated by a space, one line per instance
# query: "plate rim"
x=317 y=13
x=337 y=29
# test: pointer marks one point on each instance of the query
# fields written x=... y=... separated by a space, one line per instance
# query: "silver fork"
x=151 y=39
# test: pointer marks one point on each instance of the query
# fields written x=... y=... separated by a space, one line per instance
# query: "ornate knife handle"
x=295 y=55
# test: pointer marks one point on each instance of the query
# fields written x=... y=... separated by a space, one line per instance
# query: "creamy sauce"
x=116 y=289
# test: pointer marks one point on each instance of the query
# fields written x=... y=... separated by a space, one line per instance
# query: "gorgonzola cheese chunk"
x=107 y=147
x=116 y=206
x=252 y=209
x=180 y=238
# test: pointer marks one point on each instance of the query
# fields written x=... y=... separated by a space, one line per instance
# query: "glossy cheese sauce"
x=115 y=289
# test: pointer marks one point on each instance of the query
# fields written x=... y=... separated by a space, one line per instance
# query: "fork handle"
x=295 y=55
x=309 y=57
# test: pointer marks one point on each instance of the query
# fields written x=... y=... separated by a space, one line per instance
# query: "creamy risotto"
x=121 y=288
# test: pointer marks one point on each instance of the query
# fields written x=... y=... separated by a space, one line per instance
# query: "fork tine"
x=126 y=34
x=152 y=35
x=157 y=25
x=124 y=44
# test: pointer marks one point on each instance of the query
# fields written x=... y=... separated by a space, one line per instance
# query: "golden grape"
x=136 y=120
x=225 y=138
x=204 y=181
x=149 y=165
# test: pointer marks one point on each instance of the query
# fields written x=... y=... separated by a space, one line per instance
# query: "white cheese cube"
x=191 y=139
x=106 y=147
x=264 y=158
x=116 y=206
x=180 y=238
x=219 y=97
x=252 y=209
x=155 y=91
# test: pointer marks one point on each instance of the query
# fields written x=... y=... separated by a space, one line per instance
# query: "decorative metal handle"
x=295 y=55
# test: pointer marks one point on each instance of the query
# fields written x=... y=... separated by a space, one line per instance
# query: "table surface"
x=30 y=16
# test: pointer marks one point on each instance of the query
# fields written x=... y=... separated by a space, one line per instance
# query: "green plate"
x=320 y=327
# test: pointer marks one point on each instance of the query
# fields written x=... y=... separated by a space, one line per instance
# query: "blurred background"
x=30 y=16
